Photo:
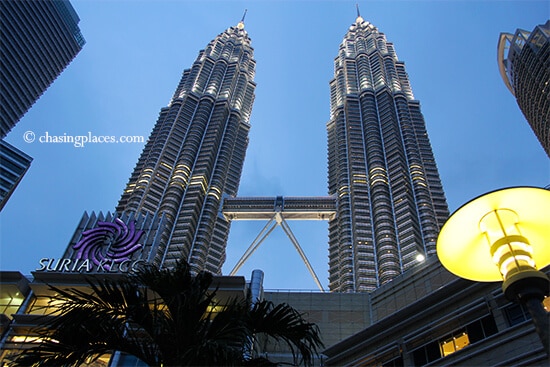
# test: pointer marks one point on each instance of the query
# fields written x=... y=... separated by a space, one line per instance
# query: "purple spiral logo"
x=109 y=241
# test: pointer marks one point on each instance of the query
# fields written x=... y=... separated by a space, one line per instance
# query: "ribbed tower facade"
x=381 y=168
x=38 y=40
x=195 y=154
x=524 y=63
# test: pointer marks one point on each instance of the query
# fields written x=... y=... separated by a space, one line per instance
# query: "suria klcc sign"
x=107 y=248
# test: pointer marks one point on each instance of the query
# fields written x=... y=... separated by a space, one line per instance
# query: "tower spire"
x=241 y=23
x=359 y=18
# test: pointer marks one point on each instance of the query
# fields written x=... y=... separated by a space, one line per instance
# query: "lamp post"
x=504 y=236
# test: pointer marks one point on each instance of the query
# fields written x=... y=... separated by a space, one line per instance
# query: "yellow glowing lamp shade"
x=467 y=247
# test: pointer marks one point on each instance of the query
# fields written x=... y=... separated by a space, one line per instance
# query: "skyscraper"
x=524 y=63
x=13 y=165
x=39 y=39
x=381 y=168
x=195 y=154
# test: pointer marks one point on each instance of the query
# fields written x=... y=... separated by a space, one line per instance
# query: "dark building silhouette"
x=39 y=39
x=13 y=165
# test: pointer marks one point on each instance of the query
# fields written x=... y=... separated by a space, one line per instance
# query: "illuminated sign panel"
x=106 y=248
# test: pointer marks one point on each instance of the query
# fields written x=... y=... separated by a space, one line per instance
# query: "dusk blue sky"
x=131 y=64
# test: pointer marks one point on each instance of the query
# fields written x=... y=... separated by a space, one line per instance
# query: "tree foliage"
x=165 y=318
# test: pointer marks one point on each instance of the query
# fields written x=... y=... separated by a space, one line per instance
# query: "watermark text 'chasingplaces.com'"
x=79 y=141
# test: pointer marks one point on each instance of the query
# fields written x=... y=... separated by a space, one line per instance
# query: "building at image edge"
x=524 y=64
x=39 y=40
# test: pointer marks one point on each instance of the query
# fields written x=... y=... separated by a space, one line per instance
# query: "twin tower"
x=385 y=202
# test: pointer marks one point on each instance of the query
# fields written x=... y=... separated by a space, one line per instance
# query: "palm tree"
x=165 y=318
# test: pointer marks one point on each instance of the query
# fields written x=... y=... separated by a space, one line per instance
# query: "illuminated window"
x=472 y=333
x=43 y=305
x=454 y=344
x=10 y=304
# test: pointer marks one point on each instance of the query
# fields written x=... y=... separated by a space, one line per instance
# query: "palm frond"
x=84 y=325
x=164 y=317
x=282 y=322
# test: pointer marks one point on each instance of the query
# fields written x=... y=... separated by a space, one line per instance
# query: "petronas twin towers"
x=382 y=174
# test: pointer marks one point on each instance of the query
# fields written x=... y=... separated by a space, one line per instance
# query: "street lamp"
x=504 y=235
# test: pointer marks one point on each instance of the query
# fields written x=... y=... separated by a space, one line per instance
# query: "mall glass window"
x=455 y=341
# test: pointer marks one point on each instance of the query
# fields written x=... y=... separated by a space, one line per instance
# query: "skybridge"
x=277 y=211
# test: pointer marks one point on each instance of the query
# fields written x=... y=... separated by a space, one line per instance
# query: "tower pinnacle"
x=241 y=23
x=359 y=18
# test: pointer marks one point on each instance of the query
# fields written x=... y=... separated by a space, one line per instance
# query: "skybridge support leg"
x=264 y=233
x=288 y=231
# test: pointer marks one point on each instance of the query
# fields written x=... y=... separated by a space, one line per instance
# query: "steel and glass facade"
x=39 y=39
x=524 y=63
x=381 y=168
x=195 y=154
